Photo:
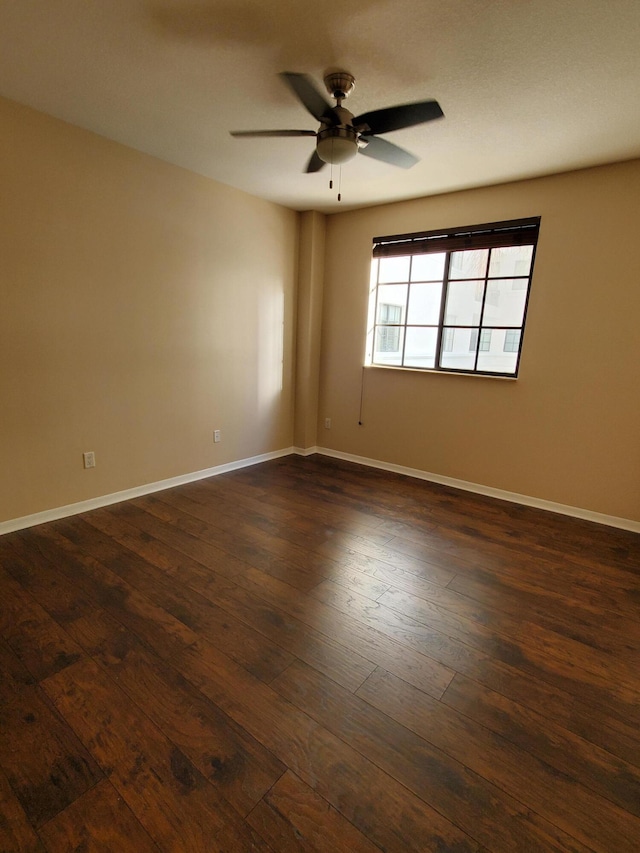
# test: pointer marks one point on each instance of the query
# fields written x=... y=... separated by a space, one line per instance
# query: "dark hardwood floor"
x=308 y=655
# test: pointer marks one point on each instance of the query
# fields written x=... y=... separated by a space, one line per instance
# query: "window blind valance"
x=519 y=232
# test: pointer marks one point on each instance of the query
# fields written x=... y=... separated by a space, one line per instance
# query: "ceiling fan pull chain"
x=339 y=183
x=331 y=168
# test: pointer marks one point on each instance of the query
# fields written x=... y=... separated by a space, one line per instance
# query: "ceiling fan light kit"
x=337 y=145
x=342 y=135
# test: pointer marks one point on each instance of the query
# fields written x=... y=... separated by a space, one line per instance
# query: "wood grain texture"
x=239 y=767
x=556 y=796
x=293 y=818
x=486 y=812
x=97 y=822
x=16 y=832
x=309 y=655
x=173 y=801
x=34 y=636
x=46 y=765
x=381 y=808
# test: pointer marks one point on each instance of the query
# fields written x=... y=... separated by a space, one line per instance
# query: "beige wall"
x=568 y=429
x=309 y=315
x=142 y=306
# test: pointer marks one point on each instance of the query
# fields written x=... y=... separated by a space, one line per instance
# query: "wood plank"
x=338 y=661
x=467 y=554
x=16 y=833
x=476 y=518
x=294 y=818
x=285 y=632
x=417 y=668
x=173 y=801
x=289 y=492
x=238 y=765
x=299 y=528
x=481 y=808
x=564 y=613
x=328 y=656
x=275 y=506
x=97 y=822
x=119 y=529
x=160 y=629
x=487 y=602
x=557 y=797
x=381 y=808
x=480 y=650
x=435 y=570
x=34 y=636
x=613 y=778
x=200 y=613
x=465 y=517
x=61 y=599
x=184 y=534
x=480 y=626
x=46 y=765
x=234 y=538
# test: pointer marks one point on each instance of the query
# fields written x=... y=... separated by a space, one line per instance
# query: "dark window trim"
x=492 y=235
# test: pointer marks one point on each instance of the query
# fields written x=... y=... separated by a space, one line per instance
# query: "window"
x=485 y=340
x=511 y=340
x=453 y=300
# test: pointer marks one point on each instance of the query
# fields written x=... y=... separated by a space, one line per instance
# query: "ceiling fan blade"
x=239 y=133
x=380 y=149
x=307 y=93
x=315 y=163
x=395 y=118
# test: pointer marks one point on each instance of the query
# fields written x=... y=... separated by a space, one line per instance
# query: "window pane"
x=394 y=269
x=464 y=302
x=428 y=267
x=497 y=362
x=424 y=304
x=504 y=306
x=373 y=278
x=392 y=300
x=388 y=345
x=456 y=354
x=471 y=263
x=420 y=349
x=511 y=260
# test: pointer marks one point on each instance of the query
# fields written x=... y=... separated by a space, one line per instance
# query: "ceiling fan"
x=342 y=135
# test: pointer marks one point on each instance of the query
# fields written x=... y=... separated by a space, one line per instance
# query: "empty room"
x=319 y=426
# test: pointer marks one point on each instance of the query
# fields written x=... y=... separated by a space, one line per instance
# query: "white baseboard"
x=512 y=497
x=136 y=492
x=148 y=488
x=306 y=451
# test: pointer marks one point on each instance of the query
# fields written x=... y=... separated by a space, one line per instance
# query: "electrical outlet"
x=217 y=436
x=327 y=423
x=89 y=459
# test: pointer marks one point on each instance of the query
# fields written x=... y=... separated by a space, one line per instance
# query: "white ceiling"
x=528 y=87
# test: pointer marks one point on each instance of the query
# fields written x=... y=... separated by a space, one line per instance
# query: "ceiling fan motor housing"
x=339 y=84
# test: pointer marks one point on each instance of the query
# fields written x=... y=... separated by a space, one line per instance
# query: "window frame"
x=490 y=236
